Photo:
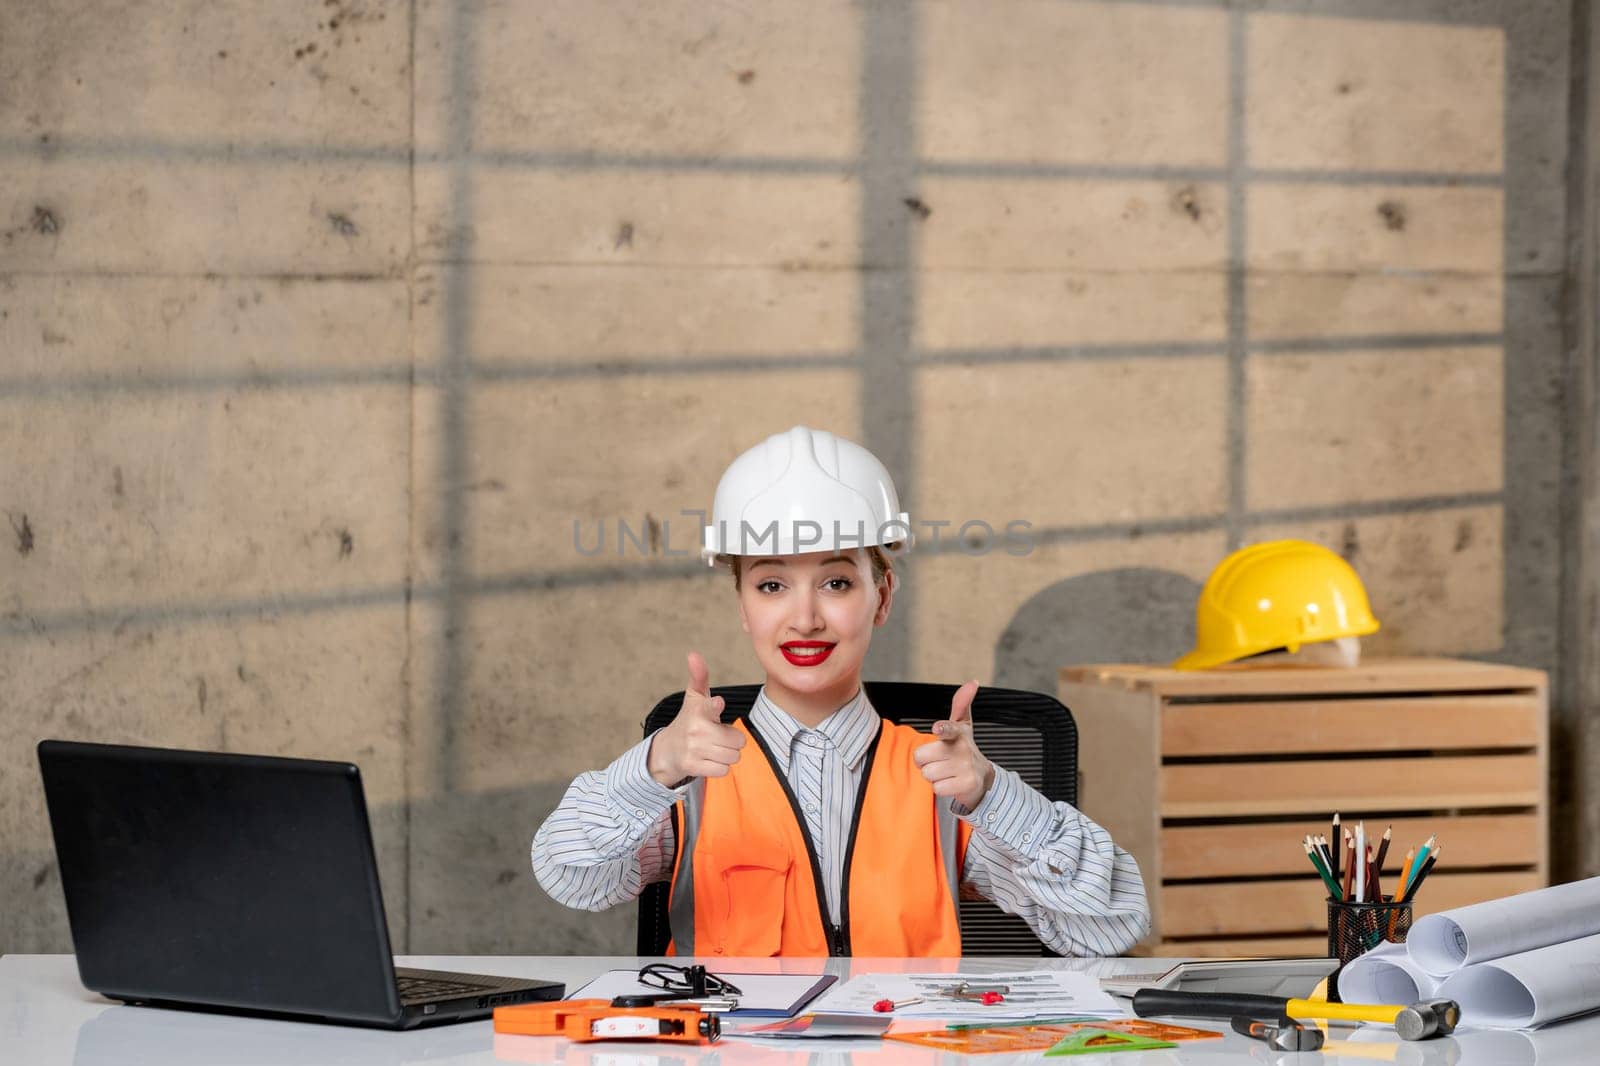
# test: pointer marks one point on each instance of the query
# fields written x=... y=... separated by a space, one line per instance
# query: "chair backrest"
x=1027 y=732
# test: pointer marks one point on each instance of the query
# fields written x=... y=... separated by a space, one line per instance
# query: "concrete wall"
x=322 y=323
x=1578 y=780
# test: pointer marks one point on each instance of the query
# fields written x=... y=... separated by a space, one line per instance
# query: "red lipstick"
x=806 y=652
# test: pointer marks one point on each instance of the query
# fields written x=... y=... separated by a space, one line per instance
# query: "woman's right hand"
x=696 y=743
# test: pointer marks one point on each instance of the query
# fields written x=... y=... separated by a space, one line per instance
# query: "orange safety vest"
x=746 y=881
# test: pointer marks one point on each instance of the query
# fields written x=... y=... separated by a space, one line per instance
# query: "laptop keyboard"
x=414 y=989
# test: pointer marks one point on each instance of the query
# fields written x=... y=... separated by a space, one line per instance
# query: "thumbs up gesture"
x=696 y=744
x=953 y=762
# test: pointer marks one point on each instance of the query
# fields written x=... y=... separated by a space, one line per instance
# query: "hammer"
x=1285 y=1034
x=1431 y=1017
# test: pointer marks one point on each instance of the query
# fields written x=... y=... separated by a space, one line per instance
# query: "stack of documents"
x=1512 y=963
x=1032 y=994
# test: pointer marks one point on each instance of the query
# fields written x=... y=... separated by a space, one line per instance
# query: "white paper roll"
x=1445 y=942
x=1385 y=974
x=1530 y=987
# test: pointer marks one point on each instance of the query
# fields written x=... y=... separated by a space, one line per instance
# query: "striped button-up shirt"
x=1045 y=862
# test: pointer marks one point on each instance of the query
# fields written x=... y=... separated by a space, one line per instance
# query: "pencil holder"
x=1356 y=928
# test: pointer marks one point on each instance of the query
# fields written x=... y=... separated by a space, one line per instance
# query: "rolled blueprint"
x=1530 y=988
x=1386 y=974
x=1445 y=942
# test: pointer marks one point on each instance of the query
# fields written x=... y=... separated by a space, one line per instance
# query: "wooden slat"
x=1119 y=761
x=1373 y=675
x=1233 y=908
x=1205 y=790
x=1274 y=848
x=1409 y=723
x=1248 y=947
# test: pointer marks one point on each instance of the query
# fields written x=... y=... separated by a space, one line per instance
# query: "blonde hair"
x=882 y=568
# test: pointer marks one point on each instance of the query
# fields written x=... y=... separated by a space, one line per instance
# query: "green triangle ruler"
x=1094 y=1041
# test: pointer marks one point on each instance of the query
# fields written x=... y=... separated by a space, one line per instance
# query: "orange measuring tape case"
x=597 y=1019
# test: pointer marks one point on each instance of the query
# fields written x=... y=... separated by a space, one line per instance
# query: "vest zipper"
x=867 y=762
x=838 y=936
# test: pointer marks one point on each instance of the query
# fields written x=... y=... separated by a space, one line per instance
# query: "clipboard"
x=761 y=995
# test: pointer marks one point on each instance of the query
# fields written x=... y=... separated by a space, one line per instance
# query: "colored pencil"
x=1405 y=871
x=1399 y=897
x=1333 y=888
x=1374 y=888
x=1422 y=860
x=1327 y=857
x=1361 y=862
x=1383 y=849
x=1335 y=839
x=1349 y=868
x=1416 y=882
x=1421 y=874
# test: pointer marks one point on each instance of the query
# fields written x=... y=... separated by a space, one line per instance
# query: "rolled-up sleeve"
x=1055 y=869
x=609 y=837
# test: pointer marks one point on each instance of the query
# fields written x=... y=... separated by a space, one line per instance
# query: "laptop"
x=238 y=883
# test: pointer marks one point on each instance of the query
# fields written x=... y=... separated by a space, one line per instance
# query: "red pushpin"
x=989 y=999
x=886 y=1006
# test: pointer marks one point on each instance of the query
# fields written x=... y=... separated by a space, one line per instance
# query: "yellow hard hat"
x=1278 y=594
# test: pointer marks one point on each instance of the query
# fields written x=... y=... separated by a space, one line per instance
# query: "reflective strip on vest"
x=949 y=849
x=680 y=913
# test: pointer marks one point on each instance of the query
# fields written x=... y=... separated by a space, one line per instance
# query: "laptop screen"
x=234 y=881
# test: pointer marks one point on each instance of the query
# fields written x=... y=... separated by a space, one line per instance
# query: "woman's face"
x=810 y=618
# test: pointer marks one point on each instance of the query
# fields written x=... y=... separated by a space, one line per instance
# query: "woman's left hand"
x=953 y=762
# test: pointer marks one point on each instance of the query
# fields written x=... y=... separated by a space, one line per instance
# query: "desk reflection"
x=1566 y=1043
x=726 y=1052
x=144 y=1036
x=152 y=1036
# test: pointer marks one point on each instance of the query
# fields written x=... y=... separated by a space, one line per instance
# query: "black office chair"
x=1026 y=732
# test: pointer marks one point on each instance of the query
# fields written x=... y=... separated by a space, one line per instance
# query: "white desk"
x=48 y=1019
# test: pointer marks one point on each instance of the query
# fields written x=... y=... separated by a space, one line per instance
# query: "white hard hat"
x=805 y=490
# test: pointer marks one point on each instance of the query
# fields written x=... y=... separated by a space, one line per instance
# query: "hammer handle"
x=1347 y=1012
x=1157 y=1002
x=1154 y=1002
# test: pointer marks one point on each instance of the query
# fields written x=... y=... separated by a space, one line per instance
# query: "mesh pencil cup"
x=1356 y=928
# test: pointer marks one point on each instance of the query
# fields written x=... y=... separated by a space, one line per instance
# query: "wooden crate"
x=1211 y=778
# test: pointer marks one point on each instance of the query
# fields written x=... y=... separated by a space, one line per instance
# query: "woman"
x=812 y=826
